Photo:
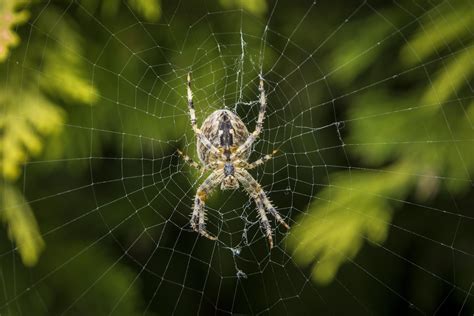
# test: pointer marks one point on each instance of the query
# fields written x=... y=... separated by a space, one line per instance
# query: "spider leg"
x=192 y=114
x=256 y=192
x=198 y=217
x=265 y=222
x=272 y=210
x=258 y=128
x=260 y=161
x=190 y=161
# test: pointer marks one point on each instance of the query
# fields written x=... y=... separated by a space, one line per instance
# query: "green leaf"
x=10 y=16
x=257 y=7
x=441 y=27
x=63 y=65
x=382 y=125
x=353 y=208
x=149 y=9
x=27 y=116
x=452 y=77
x=21 y=223
x=356 y=50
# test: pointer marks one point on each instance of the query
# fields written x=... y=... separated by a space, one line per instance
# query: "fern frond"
x=28 y=116
x=451 y=78
x=257 y=7
x=423 y=133
x=349 y=211
x=149 y=9
x=22 y=226
x=63 y=64
x=444 y=26
x=10 y=16
x=352 y=56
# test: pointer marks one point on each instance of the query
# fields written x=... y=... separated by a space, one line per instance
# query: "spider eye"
x=228 y=169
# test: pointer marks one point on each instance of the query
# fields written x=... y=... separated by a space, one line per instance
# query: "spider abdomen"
x=226 y=131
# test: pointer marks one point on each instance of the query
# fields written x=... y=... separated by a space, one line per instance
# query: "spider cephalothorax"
x=224 y=146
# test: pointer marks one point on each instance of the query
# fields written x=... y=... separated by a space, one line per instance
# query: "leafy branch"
x=31 y=111
x=11 y=15
x=394 y=134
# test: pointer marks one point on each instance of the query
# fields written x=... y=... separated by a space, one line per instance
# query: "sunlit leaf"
x=353 y=209
x=358 y=47
x=149 y=9
x=407 y=130
x=21 y=224
x=11 y=15
x=257 y=7
x=447 y=24
x=63 y=64
x=453 y=75
x=28 y=116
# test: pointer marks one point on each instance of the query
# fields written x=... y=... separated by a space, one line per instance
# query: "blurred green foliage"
x=150 y=10
x=258 y=7
x=22 y=226
x=336 y=233
x=29 y=115
x=425 y=137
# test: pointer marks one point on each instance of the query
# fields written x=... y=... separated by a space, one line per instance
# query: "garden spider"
x=224 y=146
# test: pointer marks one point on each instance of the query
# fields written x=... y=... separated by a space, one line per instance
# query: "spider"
x=224 y=146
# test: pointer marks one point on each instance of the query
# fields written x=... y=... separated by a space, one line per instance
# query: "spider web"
x=134 y=200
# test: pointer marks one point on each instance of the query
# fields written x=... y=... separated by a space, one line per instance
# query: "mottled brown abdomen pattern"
x=212 y=128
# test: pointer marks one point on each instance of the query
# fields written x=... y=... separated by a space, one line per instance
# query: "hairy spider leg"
x=256 y=192
x=261 y=161
x=258 y=128
x=265 y=222
x=192 y=114
x=190 y=161
x=196 y=165
x=198 y=217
